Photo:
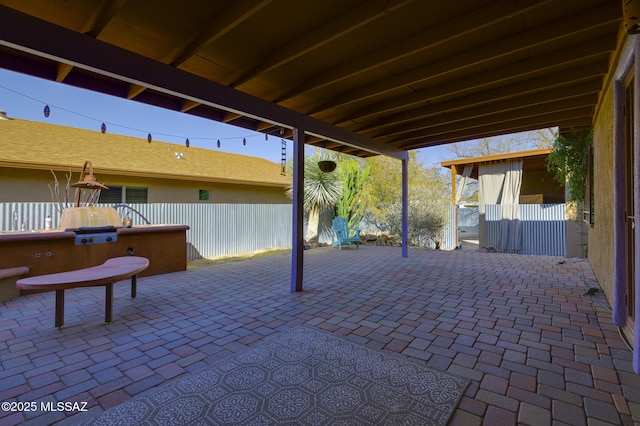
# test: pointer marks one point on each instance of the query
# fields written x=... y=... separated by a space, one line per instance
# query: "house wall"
x=21 y=185
x=601 y=234
x=542 y=182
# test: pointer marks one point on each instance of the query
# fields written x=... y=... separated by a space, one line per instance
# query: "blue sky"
x=25 y=97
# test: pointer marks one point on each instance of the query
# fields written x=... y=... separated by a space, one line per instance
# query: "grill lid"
x=93 y=229
x=89 y=217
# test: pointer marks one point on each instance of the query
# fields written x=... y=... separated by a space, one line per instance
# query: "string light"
x=103 y=125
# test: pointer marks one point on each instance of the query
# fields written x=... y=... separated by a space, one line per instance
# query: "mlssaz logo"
x=63 y=406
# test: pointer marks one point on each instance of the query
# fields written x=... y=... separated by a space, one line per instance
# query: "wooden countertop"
x=49 y=234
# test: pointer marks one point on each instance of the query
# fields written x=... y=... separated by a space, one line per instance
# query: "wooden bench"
x=110 y=272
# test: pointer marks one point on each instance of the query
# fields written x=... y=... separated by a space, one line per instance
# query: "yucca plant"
x=321 y=191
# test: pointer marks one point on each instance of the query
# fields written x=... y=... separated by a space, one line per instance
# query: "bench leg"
x=108 y=304
x=134 y=287
x=59 y=308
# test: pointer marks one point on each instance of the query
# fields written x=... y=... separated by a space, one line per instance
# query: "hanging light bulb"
x=103 y=128
x=149 y=138
x=281 y=130
x=218 y=143
x=187 y=142
x=244 y=141
x=47 y=110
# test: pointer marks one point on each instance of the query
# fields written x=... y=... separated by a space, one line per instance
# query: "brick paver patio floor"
x=538 y=352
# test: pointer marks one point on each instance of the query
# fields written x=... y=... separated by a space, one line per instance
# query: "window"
x=203 y=195
x=112 y=195
x=124 y=194
x=136 y=195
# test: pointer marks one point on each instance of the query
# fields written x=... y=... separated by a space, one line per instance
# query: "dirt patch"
x=207 y=262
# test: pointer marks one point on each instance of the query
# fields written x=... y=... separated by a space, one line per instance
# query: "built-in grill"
x=95 y=235
x=92 y=225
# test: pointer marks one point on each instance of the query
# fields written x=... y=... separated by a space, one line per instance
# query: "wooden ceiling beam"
x=230 y=116
x=328 y=32
x=483 y=115
x=238 y=12
x=62 y=71
x=134 y=90
x=229 y=19
x=490 y=52
x=101 y=16
x=188 y=105
x=452 y=112
x=587 y=60
x=439 y=34
x=501 y=127
x=467 y=136
x=95 y=24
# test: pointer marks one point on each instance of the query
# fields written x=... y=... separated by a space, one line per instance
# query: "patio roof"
x=362 y=77
x=532 y=160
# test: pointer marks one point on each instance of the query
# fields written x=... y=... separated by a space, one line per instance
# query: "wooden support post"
x=405 y=205
x=297 y=252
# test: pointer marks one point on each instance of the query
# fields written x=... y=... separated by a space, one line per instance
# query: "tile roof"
x=36 y=145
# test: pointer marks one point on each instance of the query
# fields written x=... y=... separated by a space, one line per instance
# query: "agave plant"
x=321 y=191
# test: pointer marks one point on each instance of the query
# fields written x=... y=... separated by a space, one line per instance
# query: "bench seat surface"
x=115 y=269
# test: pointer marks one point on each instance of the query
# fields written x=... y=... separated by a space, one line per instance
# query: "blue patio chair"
x=342 y=235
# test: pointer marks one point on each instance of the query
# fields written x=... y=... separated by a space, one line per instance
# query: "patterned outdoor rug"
x=303 y=376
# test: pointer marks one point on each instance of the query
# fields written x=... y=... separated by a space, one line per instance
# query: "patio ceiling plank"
x=489 y=53
x=445 y=32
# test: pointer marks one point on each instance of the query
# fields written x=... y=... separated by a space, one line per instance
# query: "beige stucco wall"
x=542 y=182
x=577 y=231
x=601 y=234
x=19 y=185
x=27 y=185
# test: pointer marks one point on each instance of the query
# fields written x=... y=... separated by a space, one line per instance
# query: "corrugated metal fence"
x=449 y=240
x=228 y=229
x=215 y=229
x=543 y=228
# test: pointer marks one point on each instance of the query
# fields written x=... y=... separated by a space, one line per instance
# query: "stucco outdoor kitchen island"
x=51 y=251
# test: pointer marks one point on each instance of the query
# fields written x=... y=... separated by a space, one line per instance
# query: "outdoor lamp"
x=87 y=181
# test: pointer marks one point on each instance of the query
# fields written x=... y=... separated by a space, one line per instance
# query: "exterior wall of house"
x=233 y=194
x=22 y=185
x=577 y=231
x=27 y=185
x=601 y=234
x=542 y=182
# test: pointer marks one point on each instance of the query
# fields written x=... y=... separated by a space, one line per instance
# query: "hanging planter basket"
x=327 y=166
